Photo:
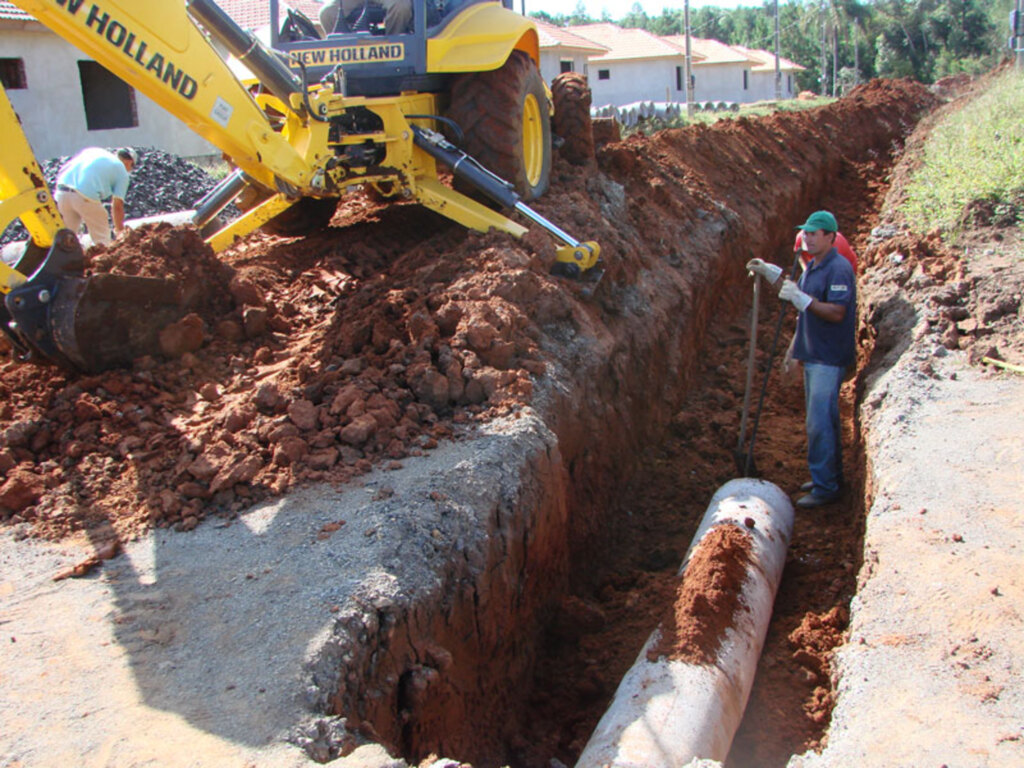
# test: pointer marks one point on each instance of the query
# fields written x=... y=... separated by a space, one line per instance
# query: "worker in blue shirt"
x=826 y=299
x=89 y=178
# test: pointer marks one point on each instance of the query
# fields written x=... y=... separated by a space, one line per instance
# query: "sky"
x=619 y=8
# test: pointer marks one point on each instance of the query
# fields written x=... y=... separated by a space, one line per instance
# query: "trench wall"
x=445 y=669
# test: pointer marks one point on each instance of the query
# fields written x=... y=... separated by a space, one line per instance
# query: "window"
x=745 y=81
x=564 y=66
x=604 y=74
x=789 y=83
x=12 y=74
x=679 y=78
x=109 y=101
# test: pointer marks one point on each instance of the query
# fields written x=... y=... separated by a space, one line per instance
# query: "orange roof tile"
x=13 y=12
x=552 y=37
x=252 y=14
x=764 y=61
x=710 y=51
x=625 y=44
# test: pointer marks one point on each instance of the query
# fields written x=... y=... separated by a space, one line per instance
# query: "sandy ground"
x=931 y=673
x=200 y=650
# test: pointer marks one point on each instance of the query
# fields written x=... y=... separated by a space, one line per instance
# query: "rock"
x=237 y=418
x=238 y=472
x=22 y=489
x=303 y=414
x=290 y=451
x=230 y=330
x=181 y=337
x=268 y=398
x=209 y=392
x=324 y=459
x=344 y=398
x=246 y=293
x=359 y=430
x=432 y=388
x=254 y=320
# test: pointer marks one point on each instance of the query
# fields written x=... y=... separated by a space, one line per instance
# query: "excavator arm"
x=289 y=141
x=157 y=48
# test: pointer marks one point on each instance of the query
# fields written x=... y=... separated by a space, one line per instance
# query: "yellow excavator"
x=322 y=114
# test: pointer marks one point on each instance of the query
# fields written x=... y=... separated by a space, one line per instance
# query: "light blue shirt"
x=96 y=174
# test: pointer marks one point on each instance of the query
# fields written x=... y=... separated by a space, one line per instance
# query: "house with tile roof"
x=719 y=71
x=562 y=51
x=762 y=74
x=637 y=66
x=640 y=66
x=66 y=101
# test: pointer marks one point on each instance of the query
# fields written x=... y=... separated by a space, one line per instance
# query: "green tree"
x=579 y=15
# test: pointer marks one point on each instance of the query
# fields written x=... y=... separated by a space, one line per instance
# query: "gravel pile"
x=161 y=183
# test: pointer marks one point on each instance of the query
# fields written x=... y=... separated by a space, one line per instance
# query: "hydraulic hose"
x=267 y=67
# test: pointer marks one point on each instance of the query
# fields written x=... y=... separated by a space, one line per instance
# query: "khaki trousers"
x=77 y=209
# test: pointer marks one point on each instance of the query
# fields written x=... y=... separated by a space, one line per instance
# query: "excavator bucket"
x=85 y=323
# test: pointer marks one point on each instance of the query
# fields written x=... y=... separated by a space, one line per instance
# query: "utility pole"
x=1018 y=40
x=778 y=66
x=824 y=61
x=835 y=60
x=688 y=69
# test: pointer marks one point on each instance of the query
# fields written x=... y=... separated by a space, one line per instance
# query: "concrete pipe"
x=685 y=695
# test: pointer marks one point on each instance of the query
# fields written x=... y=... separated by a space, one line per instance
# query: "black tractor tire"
x=572 y=98
x=499 y=111
x=310 y=214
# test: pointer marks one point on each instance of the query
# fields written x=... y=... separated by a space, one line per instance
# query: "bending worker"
x=826 y=299
x=89 y=178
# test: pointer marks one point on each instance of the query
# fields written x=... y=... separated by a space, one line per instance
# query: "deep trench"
x=516 y=668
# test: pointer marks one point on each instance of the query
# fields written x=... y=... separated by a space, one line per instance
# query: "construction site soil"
x=317 y=359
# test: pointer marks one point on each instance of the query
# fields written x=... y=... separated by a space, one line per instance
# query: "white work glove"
x=769 y=272
x=790 y=292
x=789 y=363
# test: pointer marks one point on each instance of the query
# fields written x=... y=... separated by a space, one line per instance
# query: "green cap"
x=820 y=220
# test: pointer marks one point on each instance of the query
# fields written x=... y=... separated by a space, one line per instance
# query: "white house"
x=720 y=73
x=67 y=101
x=637 y=66
x=562 y=51
x=762 y=74
x=640 y=66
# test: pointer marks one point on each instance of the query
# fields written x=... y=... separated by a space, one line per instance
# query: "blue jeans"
x=824 y=435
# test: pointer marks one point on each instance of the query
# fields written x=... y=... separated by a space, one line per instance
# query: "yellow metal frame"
x=481 y=38
x=23 y=191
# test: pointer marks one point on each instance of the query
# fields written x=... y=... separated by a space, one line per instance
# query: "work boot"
x=814 y=500
x=807 y=487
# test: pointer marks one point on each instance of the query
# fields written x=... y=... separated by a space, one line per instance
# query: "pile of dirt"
x=708 y=597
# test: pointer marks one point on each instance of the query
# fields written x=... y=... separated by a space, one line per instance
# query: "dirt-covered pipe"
x=684 y=697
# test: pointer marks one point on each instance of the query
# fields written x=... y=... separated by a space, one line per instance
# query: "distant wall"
x=629 y=81
x=52 y=110
x=551 y=63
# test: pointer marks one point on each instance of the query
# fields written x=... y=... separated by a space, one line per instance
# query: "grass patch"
x=214 y=165
x=972 y=170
